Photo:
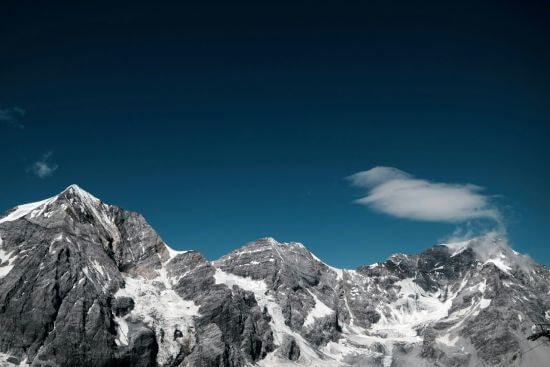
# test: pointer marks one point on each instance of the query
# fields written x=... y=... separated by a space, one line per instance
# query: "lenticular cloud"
x=397 y=193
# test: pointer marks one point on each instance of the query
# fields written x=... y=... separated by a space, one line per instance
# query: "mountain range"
x=83 y=283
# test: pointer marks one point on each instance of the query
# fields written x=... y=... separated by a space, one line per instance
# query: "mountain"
x=83 y=283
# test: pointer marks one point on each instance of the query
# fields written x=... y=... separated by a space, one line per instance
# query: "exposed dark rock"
x=289 y=349
x=122 y=306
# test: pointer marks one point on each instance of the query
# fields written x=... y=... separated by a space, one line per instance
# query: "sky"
x=360 y=129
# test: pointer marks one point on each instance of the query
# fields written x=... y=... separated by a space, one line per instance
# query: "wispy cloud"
x=44 y=167
x=397 y=193
x=12 y=116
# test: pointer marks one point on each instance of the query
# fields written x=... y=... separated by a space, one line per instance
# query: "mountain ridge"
x=265 y=303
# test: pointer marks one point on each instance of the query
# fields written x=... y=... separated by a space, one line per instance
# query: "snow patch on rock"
x=173 y=253
x=484 y=303
x=258 y=287
x=265 y=298
x=447 y=340
x=339 y=272
x=122 y=331
x=6 y=263
x=499 y=263
x=25 y=209
x=158 y=308
x=414 y=306
x=457 y=247
x=319 y=311
x=7 y=360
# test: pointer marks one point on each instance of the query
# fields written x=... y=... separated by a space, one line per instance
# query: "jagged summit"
x=72 y=195
x=77 y=191
x=493 y=248
x=271 y=241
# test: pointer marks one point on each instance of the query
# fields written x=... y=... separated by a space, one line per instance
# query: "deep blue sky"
x=222 y=122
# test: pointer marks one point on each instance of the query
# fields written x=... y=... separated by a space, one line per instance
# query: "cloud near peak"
x=399 y=194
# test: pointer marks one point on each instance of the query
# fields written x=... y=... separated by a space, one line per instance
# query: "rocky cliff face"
x=83 y=283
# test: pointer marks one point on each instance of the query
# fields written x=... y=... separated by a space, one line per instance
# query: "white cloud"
x=44 y=167
x=12 y=116
x=397 y=193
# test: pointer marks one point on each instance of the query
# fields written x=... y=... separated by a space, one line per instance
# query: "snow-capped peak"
x=75 y=190
x=492 y=248
x=39 y=207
